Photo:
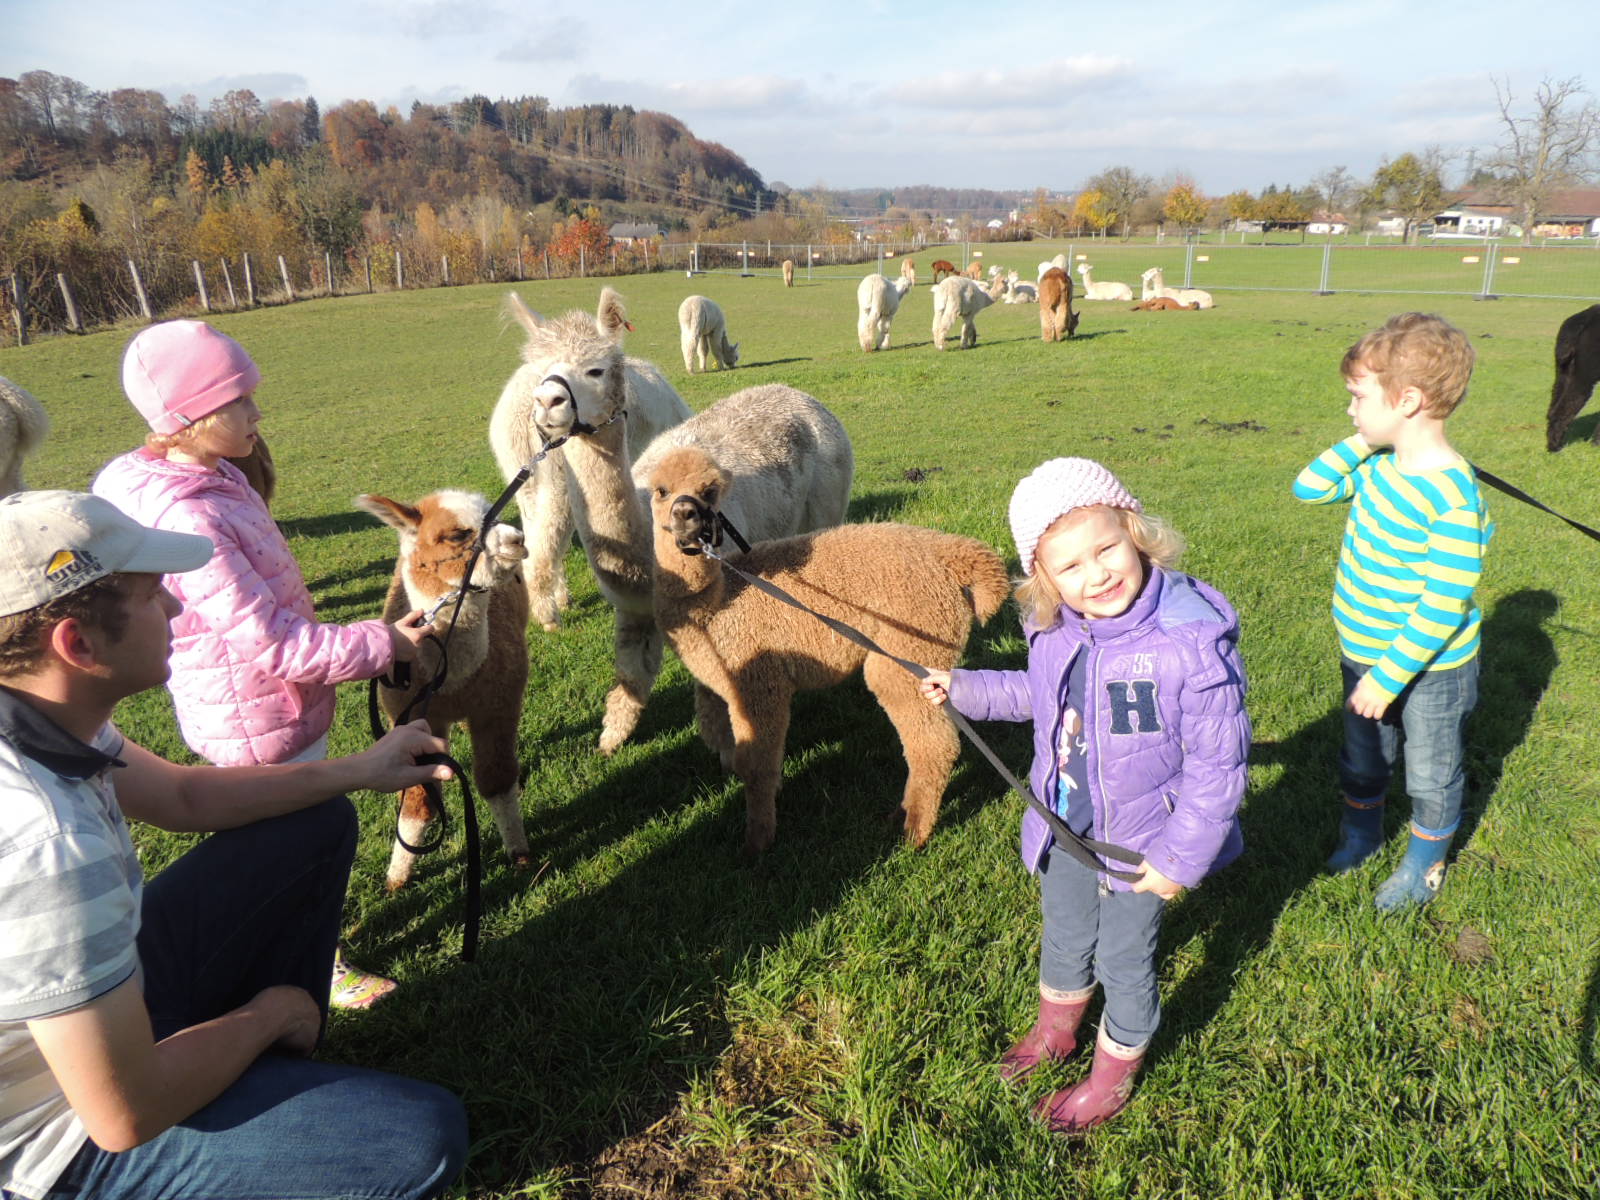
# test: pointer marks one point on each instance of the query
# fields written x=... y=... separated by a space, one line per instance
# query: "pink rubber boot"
x=1054 y=1034
x=1099 y=1097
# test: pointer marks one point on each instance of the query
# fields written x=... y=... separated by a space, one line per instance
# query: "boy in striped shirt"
x=1402 y=596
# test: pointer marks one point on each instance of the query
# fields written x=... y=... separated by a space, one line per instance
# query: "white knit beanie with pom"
x=1056 y=488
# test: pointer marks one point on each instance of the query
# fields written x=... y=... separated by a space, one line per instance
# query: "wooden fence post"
x=227 y=278
x=366 y=260
x=19 y=301
x=138 y=288
x=327 y=263
x=547 y=264
x=74 y=323
x=200 y=284
x=249 y=281
x=444 y=269
x=399 y=271
x=581 y=267
x=519 y=261
x=283 y=270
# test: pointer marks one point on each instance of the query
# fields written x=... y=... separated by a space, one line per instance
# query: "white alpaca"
x=1155 y=284
x=569 y=358
x=1018 y=292
x=23 y=427
x=1102 y=291
x=957 y=298
x=703 y=334
x=878 y=299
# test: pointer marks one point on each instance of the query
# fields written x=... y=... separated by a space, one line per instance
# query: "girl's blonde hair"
x=1158 y=543
x=160 y=443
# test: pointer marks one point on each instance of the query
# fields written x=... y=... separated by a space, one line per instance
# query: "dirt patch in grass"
x=753 y=1130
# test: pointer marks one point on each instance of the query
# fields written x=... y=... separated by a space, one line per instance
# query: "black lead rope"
x=1081 y=848
x=1517 y=493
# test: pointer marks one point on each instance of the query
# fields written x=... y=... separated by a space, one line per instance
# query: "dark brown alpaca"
x=1056 y=318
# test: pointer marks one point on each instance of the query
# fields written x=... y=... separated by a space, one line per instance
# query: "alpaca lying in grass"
x=1163 y=304
x=23 y=427
x=1107 y=290
x=488 y=655
x=1155 y=285
x=914 y=591
x=957 y=298
x=703 y=334
x=878 y=299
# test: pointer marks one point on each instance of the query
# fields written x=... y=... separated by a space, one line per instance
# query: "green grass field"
x=649 y=1016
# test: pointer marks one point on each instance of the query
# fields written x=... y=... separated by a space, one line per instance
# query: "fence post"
x=399 y=272
x=1488 y=273
x=1327 y=267
x=138 y=289
x=327 y=265
x=519 y=260
x=200 y=283
x=547 y=264
x=283 y=270
x=227 y=278
x=444 y=269
x=73 y=321
x=249 y=281
x=19 y=300
x=366 y=261
x=808 y=262
x=744 y=259
x=613 y=260
x=694 y=258
x=582 y=266
x=1188 y=265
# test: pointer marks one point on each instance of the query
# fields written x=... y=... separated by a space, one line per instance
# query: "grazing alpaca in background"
x=788 y=272
x=960 y=299
x=942 y=267
x=23 y=427
x=878 y=299
x=703 y=334
x=908 y=270
x=914 y=591
x=974 y=270
x=1056 y=318
x=575 y=358
x=1577 y=371
x=488 y=660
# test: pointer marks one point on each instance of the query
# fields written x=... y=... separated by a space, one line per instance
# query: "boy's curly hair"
x=99 y=604
x=1158 y=544
x=1417 y=350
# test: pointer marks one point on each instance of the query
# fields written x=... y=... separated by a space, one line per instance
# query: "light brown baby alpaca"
x=913 y=591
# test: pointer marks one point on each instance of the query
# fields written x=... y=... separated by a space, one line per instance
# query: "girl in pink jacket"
x=253 y=671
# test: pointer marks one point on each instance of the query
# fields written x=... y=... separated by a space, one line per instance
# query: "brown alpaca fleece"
x=259 y=470
x=913 y=591
x=1056 y=318
x=1163 y=304
x=941 y=268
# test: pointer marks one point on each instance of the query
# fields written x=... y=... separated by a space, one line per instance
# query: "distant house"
x=1390 y=226
x=1569 y=212
x=626 y=234
x=1467 y=221
x=1328 y=223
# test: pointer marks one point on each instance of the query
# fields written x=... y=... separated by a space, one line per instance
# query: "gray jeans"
x=1109 y=937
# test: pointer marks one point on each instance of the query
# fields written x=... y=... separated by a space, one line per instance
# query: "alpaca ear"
x=391 y=512
x=522 y=314
x=611 y=318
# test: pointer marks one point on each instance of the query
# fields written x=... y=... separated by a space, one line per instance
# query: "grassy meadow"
x=650 y=1016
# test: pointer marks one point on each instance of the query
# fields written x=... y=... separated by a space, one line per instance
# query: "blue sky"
x=874 y=93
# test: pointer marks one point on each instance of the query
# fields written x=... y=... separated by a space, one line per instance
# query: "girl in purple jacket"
x=1136 y=692
x=253 y=670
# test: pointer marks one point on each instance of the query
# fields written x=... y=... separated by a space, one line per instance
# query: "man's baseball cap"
x=52 y=543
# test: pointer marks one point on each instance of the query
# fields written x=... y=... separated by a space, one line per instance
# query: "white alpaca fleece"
x=703 y=334
x=23 y=427
x=958 y=298
x=878 y=299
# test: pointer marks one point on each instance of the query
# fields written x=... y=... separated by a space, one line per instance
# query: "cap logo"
x=68 y=567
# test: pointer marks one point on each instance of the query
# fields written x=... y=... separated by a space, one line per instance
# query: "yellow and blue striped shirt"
x=1412 y=554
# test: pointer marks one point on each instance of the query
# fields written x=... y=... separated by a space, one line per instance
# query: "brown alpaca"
x=788 y=272
x=941 y=268
x=913 y=591
x=488 y=652
x=974 y=270
x=1163 y=304
x=908 y=270
x=1056 y=318
x=259 y=470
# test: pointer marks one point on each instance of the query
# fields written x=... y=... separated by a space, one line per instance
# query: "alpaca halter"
x=712 y=526
x=582 y=428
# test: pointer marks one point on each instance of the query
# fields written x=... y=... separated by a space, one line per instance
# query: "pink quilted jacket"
x=252 y=669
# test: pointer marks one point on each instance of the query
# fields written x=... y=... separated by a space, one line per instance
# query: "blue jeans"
x=246 y=909
x=1432 y=713
x=1090 y=935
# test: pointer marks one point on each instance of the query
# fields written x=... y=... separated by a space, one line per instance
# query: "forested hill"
x=54 y=131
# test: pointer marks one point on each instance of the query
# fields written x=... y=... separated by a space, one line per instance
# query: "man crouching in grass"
x=154 y=1039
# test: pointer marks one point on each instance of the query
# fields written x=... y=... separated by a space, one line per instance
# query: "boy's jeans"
x=1108 y=936
x=1432 y=712
x=245 y=909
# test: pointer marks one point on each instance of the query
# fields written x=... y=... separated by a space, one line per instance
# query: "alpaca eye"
x=596 y=372
x=458 y=535
x=661 y=493
x=711 y=495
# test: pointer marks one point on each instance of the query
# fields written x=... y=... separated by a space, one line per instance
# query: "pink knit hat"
x=1056 y=488
x=179 y=371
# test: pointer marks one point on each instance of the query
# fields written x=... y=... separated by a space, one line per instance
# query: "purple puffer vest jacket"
x=252 y=668
x=1168 y=735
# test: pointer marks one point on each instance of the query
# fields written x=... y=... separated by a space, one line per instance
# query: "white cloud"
x=548 y=41
x=276 y=85
x=1013 y=87
x=744 y=96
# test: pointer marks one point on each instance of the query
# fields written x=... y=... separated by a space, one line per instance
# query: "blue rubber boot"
x=1360 y=834
x=1421 y=871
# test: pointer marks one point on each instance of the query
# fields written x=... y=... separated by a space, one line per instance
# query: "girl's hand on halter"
x=407 y=633
x=935 y=687
x=1152 y=880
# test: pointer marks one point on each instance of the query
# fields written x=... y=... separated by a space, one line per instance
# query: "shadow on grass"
x=1290 y=827
x=1584 y=429
x=327 y=524
x=775 y=362
x=878 y=506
